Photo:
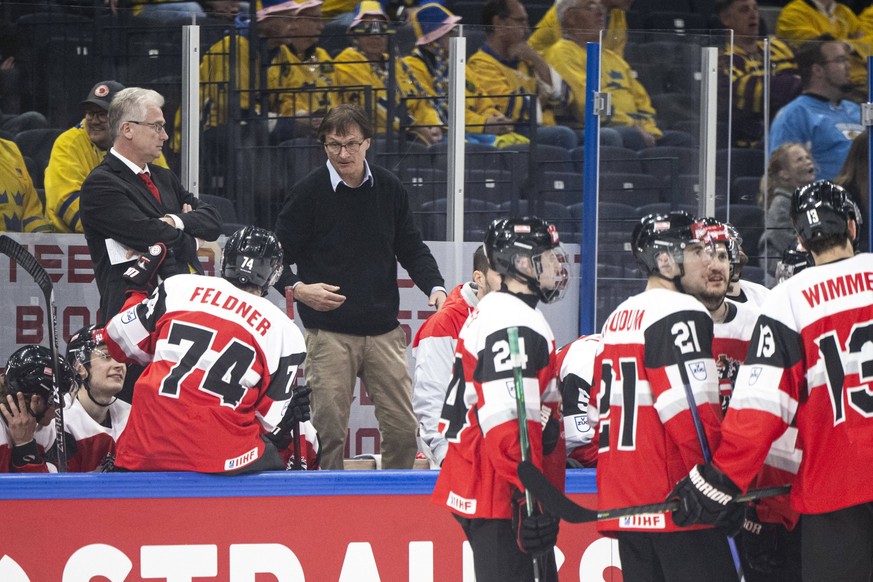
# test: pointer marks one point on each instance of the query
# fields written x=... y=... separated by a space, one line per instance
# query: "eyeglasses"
x=98 y=115
x=157 y=126
x=352 y=147
x=840 y=60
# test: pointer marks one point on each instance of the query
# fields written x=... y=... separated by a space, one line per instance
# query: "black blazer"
x=115 y=204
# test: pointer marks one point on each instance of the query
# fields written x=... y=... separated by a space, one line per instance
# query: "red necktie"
x=150 y=185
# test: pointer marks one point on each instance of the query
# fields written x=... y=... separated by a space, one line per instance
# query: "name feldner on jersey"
x=220 y=367
x=480 y=418
x=652 y=345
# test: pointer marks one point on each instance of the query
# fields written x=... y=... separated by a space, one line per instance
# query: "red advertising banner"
x=185 y=527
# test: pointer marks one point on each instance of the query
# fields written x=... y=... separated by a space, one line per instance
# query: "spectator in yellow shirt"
x=21 y=209
x=803 y=20
x=548 y=30
x=633 y=116
x=366 y=64
x=521 y=83
x=75 y=153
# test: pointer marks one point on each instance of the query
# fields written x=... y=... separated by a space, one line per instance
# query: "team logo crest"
x=756 y=373
x=697 y=369
x=128 y=316
x=582 y=423
x=101 y=91
x=510 y=388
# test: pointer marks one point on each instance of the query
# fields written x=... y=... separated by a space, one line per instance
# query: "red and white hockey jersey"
x=730 y=345
x=45 y=439
x=93 y=441
x=220 y=366
x=652 y=345
x=480 y=418
x=810 y=356
x=575 y=374
x=434 y=351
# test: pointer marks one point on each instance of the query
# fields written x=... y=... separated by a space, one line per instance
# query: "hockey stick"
x=560 y=505
x=295 y=431
x=521 y=412
x=28 y=262
x=704 y=443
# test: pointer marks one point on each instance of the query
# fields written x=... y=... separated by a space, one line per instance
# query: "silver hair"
x=131 y=104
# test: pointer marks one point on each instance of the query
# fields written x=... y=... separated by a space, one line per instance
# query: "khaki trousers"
x=333 y=362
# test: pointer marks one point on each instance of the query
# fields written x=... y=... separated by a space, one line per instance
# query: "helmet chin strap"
x=86 y=382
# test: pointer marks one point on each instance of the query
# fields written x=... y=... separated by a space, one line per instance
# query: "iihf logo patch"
x=128 y=316
x=510 y=388
x=697 y=369
x=755 y=374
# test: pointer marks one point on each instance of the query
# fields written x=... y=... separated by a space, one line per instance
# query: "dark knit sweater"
x=353 y=238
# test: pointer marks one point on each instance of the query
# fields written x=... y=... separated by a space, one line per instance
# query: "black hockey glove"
x=551 y=435
x=141 y=275
x=763 y=544
x=297 y=412
x=705 y=496
x=536 y=534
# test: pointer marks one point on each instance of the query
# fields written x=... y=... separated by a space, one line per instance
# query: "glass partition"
x=264 y=88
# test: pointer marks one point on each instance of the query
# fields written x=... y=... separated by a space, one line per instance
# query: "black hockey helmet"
x=508 y=239
x=664 y=233
x=252 y=256
x=82 y=343
x=793 y=261
x=821 y=209
x=29 y=371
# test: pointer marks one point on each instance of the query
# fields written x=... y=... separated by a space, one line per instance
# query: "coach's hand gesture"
x=319 y=296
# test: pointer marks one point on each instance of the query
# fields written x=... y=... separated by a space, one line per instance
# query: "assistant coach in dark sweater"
x=122 y=215
x=346 y=226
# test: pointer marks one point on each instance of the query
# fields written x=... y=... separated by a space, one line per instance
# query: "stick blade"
x=551 y=497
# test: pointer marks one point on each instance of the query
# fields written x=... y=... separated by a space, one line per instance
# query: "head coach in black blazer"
x=123 y=212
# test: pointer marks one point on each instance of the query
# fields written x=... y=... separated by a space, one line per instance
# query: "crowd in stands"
x=272 y=68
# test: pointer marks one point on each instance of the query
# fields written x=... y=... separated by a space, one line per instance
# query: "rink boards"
x=345 y=526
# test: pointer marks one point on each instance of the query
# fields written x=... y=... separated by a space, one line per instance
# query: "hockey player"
x=654 y=345
x=793 y=262
x=575 y=363
x=807 y=359
x=27 y=406
x=478 y=480
x=769 y=541
x=434 y=351
x=93 y=417
x=220 y=362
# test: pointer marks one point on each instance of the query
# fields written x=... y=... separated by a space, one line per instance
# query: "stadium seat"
x=743 y=162
x=37 y=144
x=632 y=189
x=749 y=221
x=549 y=158
x=422 y=183
x=478 y=214
x=561 y=187
x=230 y=222
x=619 y=160
x=669 y=161
x=494 y=186
x=677 y=22
x=744 y=190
